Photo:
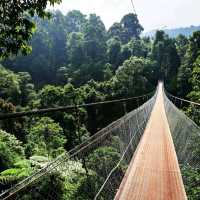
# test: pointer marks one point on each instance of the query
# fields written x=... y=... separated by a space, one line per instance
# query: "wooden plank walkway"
x=154 y=173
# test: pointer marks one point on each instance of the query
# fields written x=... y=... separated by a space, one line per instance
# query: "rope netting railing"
x=186 y=138
x=92 y=170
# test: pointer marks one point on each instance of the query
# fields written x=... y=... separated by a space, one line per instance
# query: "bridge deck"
x=154 y=173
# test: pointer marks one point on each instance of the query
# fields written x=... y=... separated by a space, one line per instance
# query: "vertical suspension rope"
x=134 y=10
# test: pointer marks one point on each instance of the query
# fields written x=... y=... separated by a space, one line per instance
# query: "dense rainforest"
x=75 y=60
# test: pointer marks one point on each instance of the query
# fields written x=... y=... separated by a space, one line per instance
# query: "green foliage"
x=79 y=43
x=9 y=84
x=116 y=30
x=108 y=73
x=186 y=76
x=131 y=25
x=75 y=21
x=39 y=161
x=194 y=45
x=11 y=150
x=20 y=170
x=45 y=139
x=10 y=125
x=139 y=48
x=28 y=93
x=114 y=51
x=62 y=75
x=64 y=185
x=90 y=183
x=51 y=186
x=101 y=161
x=165 y=53
x=6 y=107
x=50 y=96
x=128 y=28
x=91 y=94
x=181 y=45
x=196 y=75
x=195 y=81
x=183 y=76
x=75 y=47
x=54 y=96
x=16 y=87
x=75 y=60
x=16 y=25
x=103 y=158
x=191 y=178
x=133 y=78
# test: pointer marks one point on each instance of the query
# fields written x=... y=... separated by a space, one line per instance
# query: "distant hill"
x=187 y=31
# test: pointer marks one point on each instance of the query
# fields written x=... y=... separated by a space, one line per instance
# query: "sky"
x=152 y=14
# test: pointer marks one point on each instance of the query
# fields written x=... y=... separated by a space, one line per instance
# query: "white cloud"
x=152 y=13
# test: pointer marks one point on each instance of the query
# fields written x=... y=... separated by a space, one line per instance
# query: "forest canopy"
x=72 y=59
x=16 y=25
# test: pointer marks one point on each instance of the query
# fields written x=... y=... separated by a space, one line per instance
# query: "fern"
x=21 y=170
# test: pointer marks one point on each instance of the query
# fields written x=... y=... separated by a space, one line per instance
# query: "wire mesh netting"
x=92 y=170
x=186 y=138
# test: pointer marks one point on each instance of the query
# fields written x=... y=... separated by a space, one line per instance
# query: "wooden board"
x=154 y=173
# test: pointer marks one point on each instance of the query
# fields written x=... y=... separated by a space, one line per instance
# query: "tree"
x=195 y=81
x=62 y=75
x=194 y=46
x=11 y=150
x=95 y=39
x=16 y=25
x=75 y=49
x=116 y=30
x=189 y=61
x=114 y=51
x=77 y=43
x=9 y=85
x=125 y=53
x=165 y=53
x=92 y=95
x=28 y=93
x=133 y=77
x=50 y=96
x=12 y=126
x=181 y=45
x=191 y=178
x=138 y=47
x=48 y=50
x=103 y=158
x=52 y=185
x=72 y=121
x=19 y=171
x=102 y=161
x=108 y=73
x=132 y=26
x=75 y=21
x=183 y=76
x=45 y=138
x=127 y=29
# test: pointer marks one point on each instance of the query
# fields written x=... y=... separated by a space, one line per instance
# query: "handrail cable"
x=4 y=116
x=191 y=102
x=65 y=156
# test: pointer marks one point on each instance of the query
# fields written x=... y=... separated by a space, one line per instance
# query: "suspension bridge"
x=152 y=143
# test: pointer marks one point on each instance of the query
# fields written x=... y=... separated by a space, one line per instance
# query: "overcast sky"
x=153 y=14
